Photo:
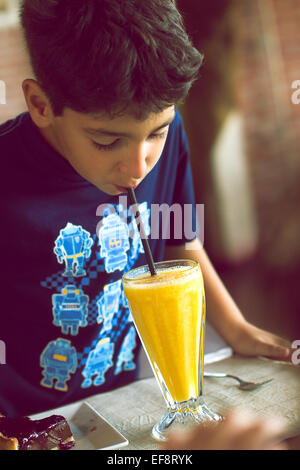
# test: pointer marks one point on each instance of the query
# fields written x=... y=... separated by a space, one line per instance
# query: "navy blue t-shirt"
x=65 y=321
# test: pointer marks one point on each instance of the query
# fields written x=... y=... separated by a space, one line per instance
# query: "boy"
x=101 y=118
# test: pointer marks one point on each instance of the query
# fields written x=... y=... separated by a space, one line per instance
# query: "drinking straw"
x=144 y=239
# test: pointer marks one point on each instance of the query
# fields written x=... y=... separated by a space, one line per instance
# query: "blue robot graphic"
x=124 y=299
x=70 y=309
x=98 y=362
x=108 y=304
x=59 y=360
x=125 y=304
x=137 y=246
x=73 y=246
x=125 y=357
x=114 y=242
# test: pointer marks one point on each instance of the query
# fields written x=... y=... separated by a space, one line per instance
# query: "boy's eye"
x=105 y=147
x=116 y=142
x=158 y=136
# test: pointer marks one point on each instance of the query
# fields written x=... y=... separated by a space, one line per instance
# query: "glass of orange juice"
x=169 y=313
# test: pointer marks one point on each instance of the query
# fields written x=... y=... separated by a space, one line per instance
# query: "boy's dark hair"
x=106 y=55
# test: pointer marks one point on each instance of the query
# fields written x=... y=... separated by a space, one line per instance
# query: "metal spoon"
x=246 y=386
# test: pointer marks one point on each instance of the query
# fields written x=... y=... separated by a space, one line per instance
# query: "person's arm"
x=223 y=313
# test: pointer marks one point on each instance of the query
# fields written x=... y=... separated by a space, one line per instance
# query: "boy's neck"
x=48 y=135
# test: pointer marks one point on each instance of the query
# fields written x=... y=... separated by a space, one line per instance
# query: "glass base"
x=184 y=415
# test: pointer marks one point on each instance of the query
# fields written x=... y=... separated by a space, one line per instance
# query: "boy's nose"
x=135 y=166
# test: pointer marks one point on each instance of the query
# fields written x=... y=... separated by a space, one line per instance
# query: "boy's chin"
x=112 y=190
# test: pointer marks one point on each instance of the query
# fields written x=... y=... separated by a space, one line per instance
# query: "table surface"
x=134 y=409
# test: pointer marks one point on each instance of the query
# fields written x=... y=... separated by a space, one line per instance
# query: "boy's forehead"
x=133 y=116
x=102 y=123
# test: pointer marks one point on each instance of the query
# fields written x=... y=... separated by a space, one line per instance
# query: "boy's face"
x=112 y=154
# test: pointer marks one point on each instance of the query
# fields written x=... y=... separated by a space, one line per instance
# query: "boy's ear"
x=37 y=102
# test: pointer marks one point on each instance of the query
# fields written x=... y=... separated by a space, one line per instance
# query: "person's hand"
x=252 y=341
x=238 y=431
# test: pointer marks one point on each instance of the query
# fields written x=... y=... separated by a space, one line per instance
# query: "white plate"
x=90 y=430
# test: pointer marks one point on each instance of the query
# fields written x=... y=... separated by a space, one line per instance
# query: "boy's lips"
x=124 y=189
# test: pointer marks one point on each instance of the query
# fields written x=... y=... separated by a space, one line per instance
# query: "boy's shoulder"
x=177 y=137
x=12 y=126
x=177 y=127
x=178 y=119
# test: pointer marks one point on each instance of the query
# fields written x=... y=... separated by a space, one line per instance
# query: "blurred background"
x=244 y=135
x=243 y=131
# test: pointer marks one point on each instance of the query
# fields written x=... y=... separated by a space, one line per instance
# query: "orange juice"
x=169 y=313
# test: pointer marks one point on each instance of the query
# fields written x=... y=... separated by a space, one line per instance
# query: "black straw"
x=144 y=239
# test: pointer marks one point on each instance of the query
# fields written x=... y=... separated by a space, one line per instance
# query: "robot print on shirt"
x=98 y=362
x=114 y=242
x=109 y=304
x=59 y=360
x=126 y=356
x=70 y=309
x=73 y=246
x=117 y=246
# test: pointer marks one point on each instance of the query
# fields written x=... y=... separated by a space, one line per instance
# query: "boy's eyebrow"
x=101 y=132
